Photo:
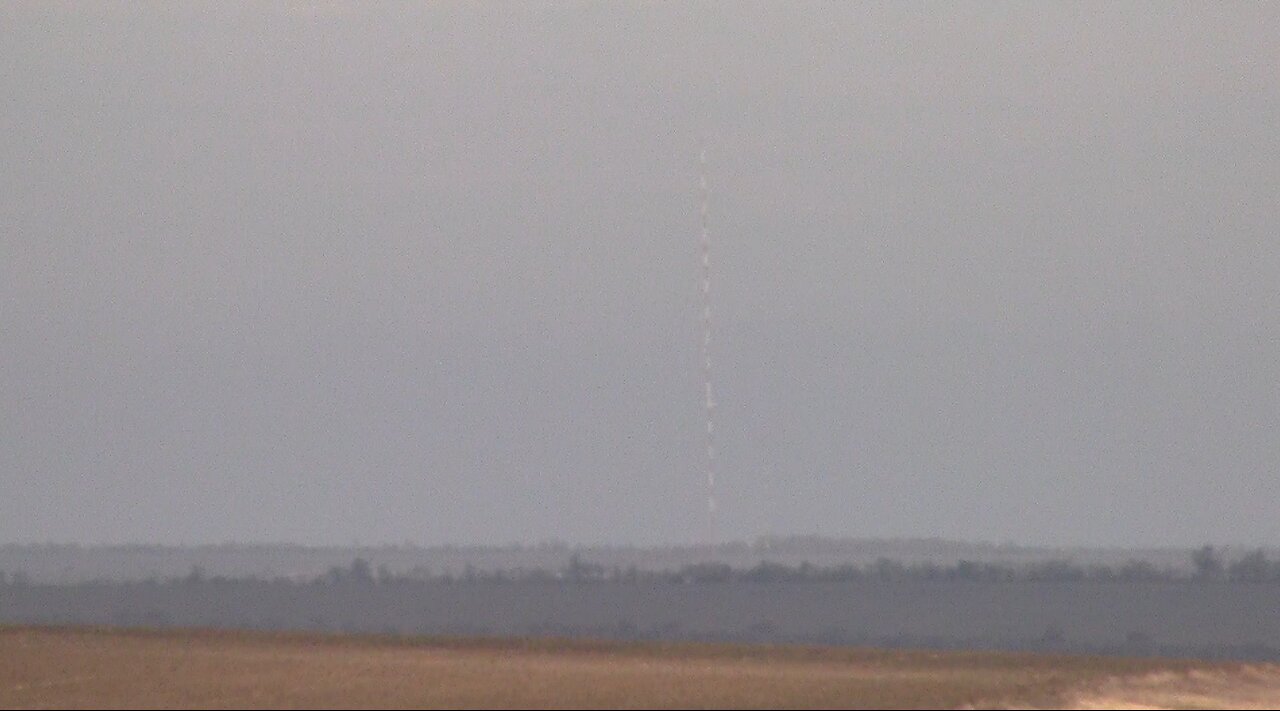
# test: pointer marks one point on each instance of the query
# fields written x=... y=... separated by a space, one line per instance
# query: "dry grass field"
x=64 y=668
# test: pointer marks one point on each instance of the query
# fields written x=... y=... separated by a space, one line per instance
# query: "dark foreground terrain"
x=92 y=667
x=1218 y=620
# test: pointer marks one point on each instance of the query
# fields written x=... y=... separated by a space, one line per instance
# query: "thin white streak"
x=705 y=208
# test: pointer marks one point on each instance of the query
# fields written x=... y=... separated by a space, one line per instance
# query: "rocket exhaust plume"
x=710 y=405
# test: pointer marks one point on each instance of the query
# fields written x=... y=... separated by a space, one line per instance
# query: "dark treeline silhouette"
x=1215 y=607
x=69 y=563
x=1207 y=564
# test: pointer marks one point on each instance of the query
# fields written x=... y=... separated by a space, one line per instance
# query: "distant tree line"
x=790 y=604
x=1207 y=564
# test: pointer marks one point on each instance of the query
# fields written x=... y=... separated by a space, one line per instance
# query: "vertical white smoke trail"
x=705 y=195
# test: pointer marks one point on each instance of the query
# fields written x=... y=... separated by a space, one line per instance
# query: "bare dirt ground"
x=64 y=668
x=1246 y=687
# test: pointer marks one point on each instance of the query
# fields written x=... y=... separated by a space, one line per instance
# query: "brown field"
x=63 y=668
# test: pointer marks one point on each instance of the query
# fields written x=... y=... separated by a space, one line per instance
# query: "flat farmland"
x=92 y=667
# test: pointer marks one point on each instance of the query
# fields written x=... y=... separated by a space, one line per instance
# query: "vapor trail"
x=705 y=195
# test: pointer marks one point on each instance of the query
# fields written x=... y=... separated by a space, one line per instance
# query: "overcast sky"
x=331 y=273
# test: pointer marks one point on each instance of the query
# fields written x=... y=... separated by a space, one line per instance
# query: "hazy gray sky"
x=324 y=273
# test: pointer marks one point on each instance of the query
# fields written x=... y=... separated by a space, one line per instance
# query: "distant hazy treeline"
x=1206 y=564
x=68 y=563
x=1222 y=608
